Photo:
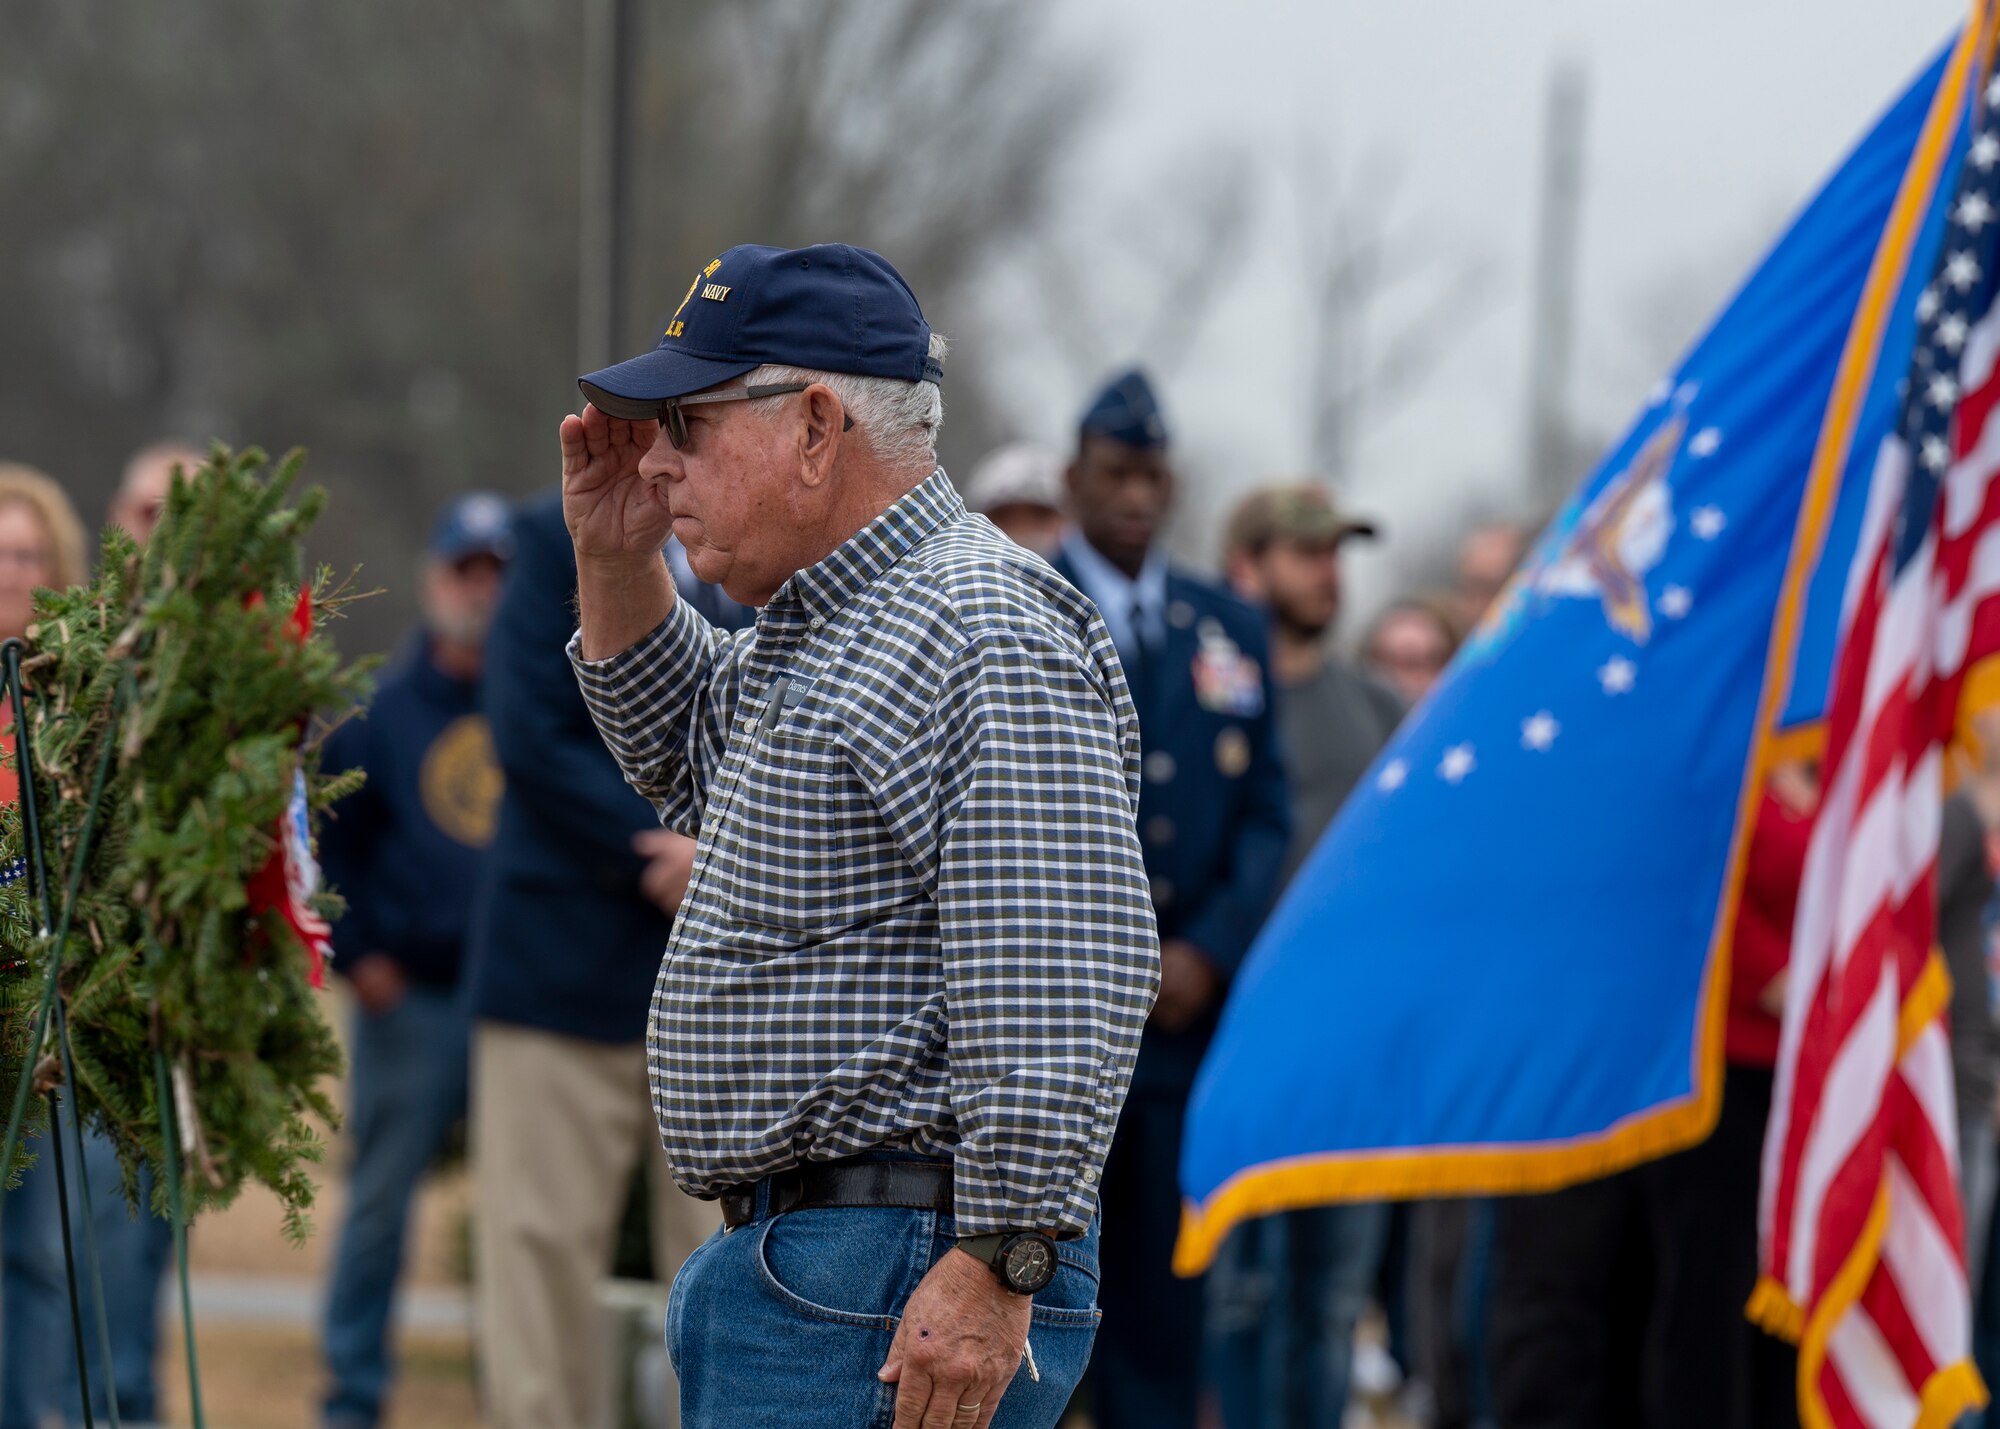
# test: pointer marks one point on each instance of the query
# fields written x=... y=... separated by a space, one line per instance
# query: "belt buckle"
x=739 y=1207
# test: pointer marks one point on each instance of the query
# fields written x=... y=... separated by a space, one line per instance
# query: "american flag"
x=1862 y=1232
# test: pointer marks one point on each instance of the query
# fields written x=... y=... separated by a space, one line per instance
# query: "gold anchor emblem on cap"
x=674 y=327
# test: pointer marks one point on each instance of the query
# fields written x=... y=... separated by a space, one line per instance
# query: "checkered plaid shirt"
x=919 y=915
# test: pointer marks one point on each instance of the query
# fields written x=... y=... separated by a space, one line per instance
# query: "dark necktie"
x=1139 y=665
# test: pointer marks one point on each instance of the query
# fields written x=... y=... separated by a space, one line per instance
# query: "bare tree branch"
x=300 y=220
x=1355 y=258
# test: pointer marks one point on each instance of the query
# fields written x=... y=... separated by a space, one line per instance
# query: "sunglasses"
x=674 y=423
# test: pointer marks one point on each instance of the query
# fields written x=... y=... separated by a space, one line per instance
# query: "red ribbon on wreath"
x=288 y=880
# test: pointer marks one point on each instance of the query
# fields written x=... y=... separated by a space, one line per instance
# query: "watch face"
x=1029 y=1263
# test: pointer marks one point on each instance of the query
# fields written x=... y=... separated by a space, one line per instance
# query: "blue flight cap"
x=476 y=524
x=830 y=308
x=1126 y=411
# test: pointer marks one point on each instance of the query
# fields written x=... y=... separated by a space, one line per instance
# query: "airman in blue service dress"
x=1213 y=823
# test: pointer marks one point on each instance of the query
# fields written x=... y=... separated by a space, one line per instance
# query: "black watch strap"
x=985 y=1247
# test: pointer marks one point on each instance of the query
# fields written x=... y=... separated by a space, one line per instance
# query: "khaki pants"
x=558 y=1125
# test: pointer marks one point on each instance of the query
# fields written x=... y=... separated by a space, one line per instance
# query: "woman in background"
x=42 y=544
x=1410 y=643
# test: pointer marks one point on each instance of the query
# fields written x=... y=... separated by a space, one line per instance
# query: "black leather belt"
x=856 y=1181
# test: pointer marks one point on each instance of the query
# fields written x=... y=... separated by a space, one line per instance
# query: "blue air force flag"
x=1505 y=966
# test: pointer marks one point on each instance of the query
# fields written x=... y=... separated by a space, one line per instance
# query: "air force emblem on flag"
x=1603 y=552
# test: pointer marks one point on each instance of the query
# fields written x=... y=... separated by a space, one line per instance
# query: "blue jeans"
x=407 y=1087
x=37 y=1346
x=782 y=1323
x=1475 y=1305
x=37 y=1358
x=1283 y=1299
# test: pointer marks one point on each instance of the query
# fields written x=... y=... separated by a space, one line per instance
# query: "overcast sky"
x=1709 y=122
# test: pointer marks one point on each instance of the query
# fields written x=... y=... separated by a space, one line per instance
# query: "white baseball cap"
x=1018 y=474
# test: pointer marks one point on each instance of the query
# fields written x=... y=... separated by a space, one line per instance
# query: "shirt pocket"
x=790 y=831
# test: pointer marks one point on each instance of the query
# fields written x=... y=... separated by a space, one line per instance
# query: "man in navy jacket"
x=1213 y=824
x=405 y=853
x=575 y=915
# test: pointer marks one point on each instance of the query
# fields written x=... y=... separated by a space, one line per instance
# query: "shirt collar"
x=1110 y=587
x=821 y=590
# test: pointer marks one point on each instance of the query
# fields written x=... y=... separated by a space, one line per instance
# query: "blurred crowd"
x=509 y=898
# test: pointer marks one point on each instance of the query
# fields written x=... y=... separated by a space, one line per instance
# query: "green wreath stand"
x=159 y=935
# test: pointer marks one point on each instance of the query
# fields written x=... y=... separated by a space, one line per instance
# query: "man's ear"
x=821 y=432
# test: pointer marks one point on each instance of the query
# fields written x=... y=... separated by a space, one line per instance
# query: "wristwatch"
x=1025 y=1261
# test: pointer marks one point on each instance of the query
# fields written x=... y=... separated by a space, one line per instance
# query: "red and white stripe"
x=1860 y=1216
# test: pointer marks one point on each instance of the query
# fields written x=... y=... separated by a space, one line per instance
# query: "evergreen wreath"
x=183 y=685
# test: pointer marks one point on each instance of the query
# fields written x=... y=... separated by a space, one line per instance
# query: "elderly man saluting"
x=900 y=1010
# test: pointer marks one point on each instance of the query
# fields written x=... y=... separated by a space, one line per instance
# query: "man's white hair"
x=899 y=420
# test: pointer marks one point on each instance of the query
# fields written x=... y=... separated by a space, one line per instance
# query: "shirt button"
x=1160 y=767
x=748 y=721
x=816 y=622
x=1090 y=1178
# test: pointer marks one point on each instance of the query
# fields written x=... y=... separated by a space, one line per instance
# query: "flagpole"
x=610 y=30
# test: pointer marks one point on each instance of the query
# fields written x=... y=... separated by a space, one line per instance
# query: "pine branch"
x=194 y=637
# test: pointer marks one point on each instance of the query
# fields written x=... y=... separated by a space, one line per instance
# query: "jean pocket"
x=1062 y=1328
x=1070 y=1297
x=848 y=1266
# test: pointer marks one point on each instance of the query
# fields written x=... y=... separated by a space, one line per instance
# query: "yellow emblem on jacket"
x=460 y=782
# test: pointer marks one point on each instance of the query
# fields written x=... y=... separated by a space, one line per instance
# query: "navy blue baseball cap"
x=1126 y=411
x=476 y=524
x=830 y=308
